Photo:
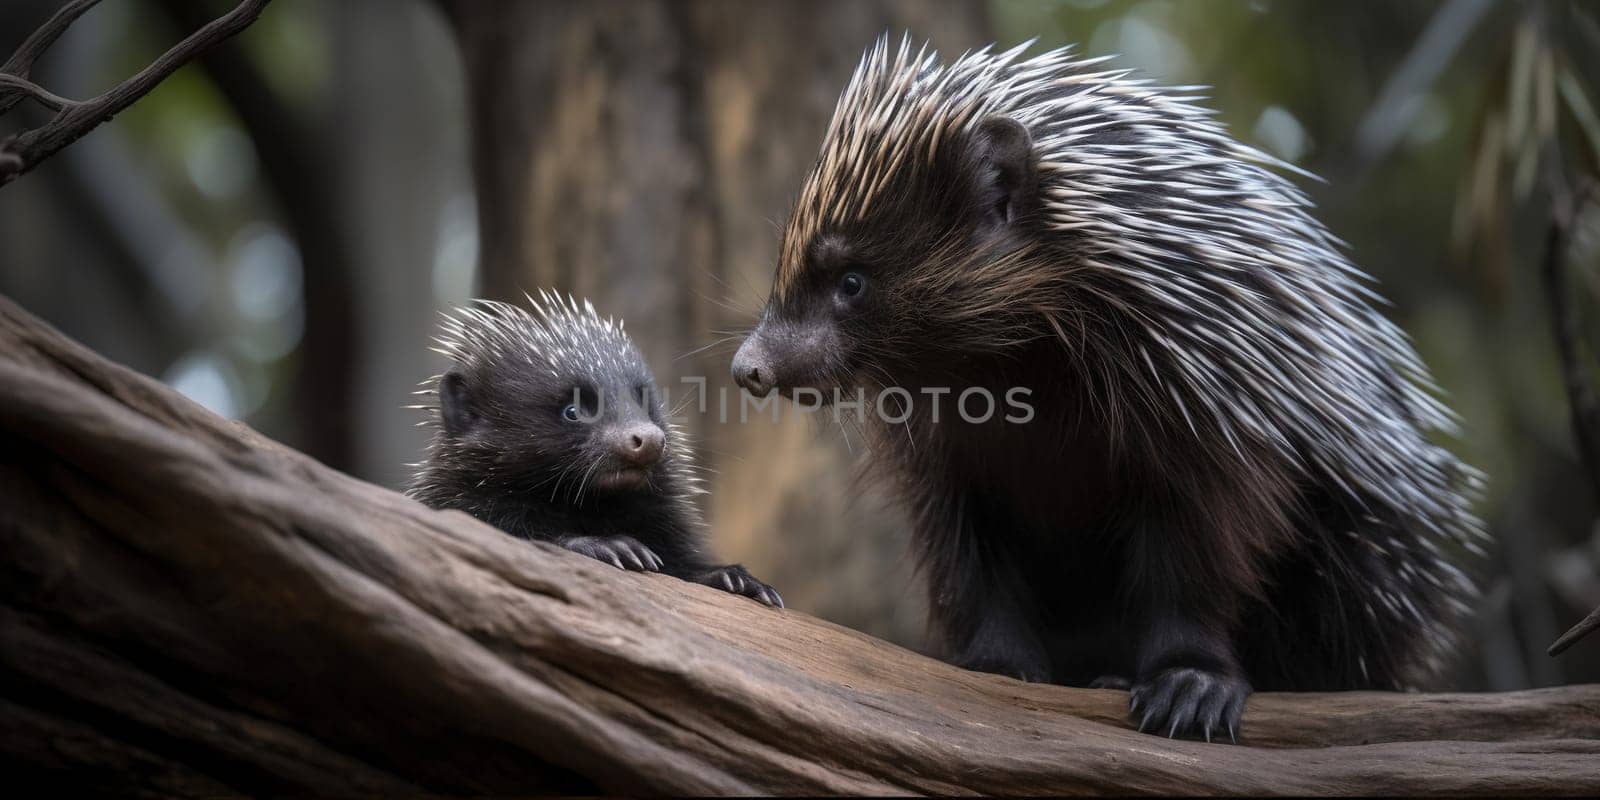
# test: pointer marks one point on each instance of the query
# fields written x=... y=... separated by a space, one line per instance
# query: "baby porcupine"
x=1227 y=480
x=548 y=426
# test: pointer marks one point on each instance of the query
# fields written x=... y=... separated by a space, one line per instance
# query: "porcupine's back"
x=1220 y=306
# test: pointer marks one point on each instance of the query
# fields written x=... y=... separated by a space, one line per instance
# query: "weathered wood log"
x=187 y=607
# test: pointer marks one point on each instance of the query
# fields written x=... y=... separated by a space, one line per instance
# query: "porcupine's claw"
x=622 y=552
x=735 y=579
x=1190 y=702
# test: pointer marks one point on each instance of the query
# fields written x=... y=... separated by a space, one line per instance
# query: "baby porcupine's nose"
x=640 y=445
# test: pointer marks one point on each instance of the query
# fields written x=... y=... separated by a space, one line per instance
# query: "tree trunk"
x=639 y=153
x=301 y=169
x=187 y=607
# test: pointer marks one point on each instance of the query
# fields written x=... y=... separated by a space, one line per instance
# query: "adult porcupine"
x=1227 y=478
x=548 y=426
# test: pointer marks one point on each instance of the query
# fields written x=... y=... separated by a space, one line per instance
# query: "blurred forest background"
x=274 y=229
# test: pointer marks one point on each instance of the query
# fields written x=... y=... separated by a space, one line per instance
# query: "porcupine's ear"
x=1003 y=151
x=455 y=407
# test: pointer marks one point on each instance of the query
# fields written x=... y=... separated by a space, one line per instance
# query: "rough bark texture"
x=187 y=607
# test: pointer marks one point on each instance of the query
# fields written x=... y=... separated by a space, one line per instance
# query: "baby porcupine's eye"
x=852 y=285
x=586 y=405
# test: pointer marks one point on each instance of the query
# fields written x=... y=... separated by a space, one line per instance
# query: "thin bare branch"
x=20 y=64
x=27 y=149
x=11 y=85
x=1588 y=625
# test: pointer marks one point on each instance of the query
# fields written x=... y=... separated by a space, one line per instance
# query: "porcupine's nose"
x=640 y=445
x=752 y=369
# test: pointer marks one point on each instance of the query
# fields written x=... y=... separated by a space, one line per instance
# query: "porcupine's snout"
x=752 y=366
x=632 y=451
x=786 y=354
x=639 y=445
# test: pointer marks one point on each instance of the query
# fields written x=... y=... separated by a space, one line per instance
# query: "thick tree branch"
x=192 y=608
x=74 y=119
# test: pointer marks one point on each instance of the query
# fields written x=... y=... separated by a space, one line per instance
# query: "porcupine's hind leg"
x=994 y=639
x=979 y=610
x=1347 y=610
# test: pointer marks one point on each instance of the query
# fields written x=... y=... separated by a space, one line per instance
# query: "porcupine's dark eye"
x=852 y=285
x=570 y=413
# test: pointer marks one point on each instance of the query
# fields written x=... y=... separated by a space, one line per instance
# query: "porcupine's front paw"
x=622 y=552
x=737 y=580
x=1189 y=701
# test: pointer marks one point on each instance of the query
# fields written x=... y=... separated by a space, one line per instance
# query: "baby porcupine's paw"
x=736 y=579
x=1189 y=701
x=622 y=552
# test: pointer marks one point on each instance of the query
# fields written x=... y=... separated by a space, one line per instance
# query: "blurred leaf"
x=1583 y=113
x=1398 y=103
x=1478 y=206
x=1520 y=159
x=1519 y=86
